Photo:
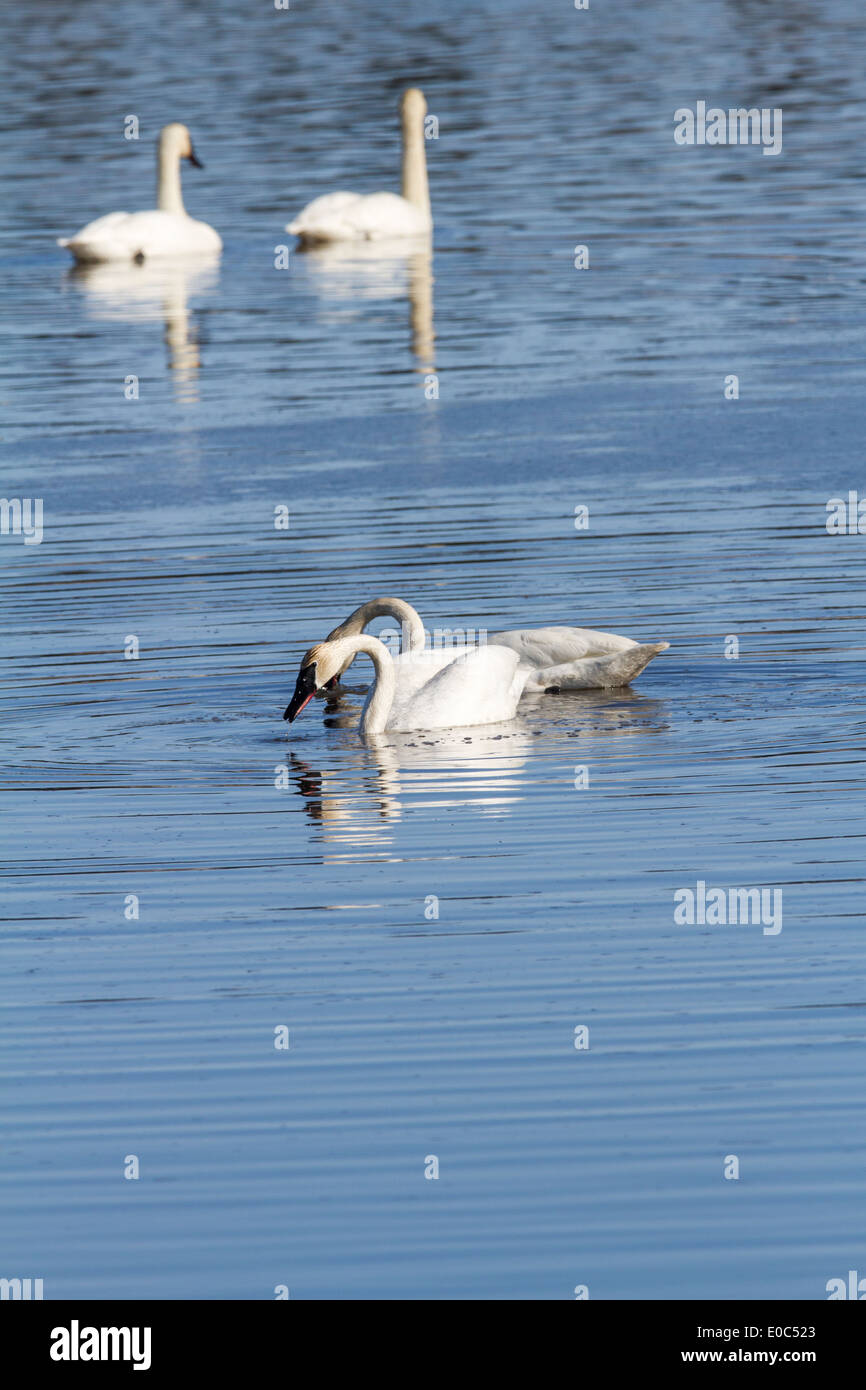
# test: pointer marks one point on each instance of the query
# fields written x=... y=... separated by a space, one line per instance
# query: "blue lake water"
x=283 y=874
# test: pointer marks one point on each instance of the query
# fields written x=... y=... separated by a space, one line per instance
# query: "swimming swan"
x=560 y=658
x=481 y=685
x=371 y=216
x=167 y=231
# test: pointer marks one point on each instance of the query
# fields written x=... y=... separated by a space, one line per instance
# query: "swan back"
x=478 y=686
x=552 y=646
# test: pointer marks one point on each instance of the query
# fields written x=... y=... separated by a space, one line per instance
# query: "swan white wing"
x=480 y=686
x=98 y=228
x=101 y=232
x=412 y=670
x=325 y=212
x=388 y=215
x=121 y=236
x=354 y=216
x=596 y=672
x=553 y=646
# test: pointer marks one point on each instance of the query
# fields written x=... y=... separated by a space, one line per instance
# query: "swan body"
x=359 y=217
x=131 y=236
x=561 y=658
x=168 y=230
x=376 y=216
x=481 y=685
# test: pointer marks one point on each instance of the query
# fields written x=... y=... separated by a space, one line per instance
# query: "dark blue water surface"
x=285 y=876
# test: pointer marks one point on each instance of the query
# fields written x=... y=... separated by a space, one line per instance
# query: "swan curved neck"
x=414 y=185
x=411 y=626
x=168 y=194
x=381 y=697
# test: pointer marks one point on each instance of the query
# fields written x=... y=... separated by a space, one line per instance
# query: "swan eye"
x=305 y=688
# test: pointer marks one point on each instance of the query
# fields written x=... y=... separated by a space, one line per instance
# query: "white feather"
x=479 y=686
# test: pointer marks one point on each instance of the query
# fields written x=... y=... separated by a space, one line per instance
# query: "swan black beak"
x=194 y=159
x=305 y=689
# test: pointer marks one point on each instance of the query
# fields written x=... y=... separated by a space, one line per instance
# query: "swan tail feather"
x=599 y=673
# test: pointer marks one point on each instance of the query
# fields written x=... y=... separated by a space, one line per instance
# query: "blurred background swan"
x=156 y=291
x=167 y=230
x=377 y=216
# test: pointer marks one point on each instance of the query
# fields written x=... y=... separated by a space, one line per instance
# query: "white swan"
x=481 y=685
x=167 y=231
x=560 y=658
x=372 y=216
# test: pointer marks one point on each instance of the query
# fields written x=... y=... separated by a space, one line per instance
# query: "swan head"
x=413 y=106
x=320 y=665
x=175 y=140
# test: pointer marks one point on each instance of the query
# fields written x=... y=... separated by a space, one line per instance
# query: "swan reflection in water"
x=357 y=802
x=359 y=798
x=157 y=291
x=345 y=272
